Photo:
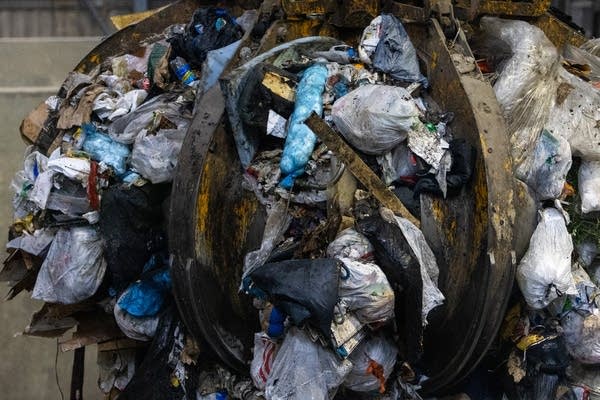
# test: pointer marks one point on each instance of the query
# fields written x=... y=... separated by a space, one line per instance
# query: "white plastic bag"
x=365 y=290
x=545 y=270
x=589 y=186
x=305 y=370
x=265 y=351
x=155 y=156
x=582 y=335
x=73 y=168
x=399 y=163
x=376 y=350
x=375 y=118
x=74 y=267
x=34 y=243
x=137 y=328
x=545 y=170
x=351 y=244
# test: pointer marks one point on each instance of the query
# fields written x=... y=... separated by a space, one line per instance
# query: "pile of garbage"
x=344 y=280
x=551 y=103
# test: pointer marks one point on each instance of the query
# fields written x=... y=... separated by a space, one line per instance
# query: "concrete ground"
x=30 y=71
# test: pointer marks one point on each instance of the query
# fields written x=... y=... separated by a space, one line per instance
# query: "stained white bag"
x=265 y=351
x=545 y=270
x=589 y=186
x=378 y=349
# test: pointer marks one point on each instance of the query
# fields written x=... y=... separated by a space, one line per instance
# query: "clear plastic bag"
x=375 y=118
x=589 y=186
x=300 y=140
x=528 y=82
x=305 y=370
x=352 y=245
x=545 y=270
x=102 y=148
x=545 y=170
x=365 y=291
x=582 y=57
x=155 y=156
x=265 y=351
x=378 y=349
x=74 y=267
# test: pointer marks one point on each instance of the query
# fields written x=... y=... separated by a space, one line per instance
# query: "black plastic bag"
x=210 y=28
x=131 y=224
x=397 y=260
x=306 y=290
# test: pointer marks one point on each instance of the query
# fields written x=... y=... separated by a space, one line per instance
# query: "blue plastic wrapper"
x=103 y=149
x=300 y=141
x=395 y=53
x=276 y=323
x=145 y=298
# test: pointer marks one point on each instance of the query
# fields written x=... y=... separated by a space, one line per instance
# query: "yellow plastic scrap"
x=24 y=224
x=531 y=340
x=175 y=381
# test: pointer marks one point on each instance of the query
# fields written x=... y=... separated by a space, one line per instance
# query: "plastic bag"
x=300 y=140
x=110 y=108
x=305 y=370
x=74 y=267
x=365 y=291
x=399 y=164
x=103 y=149
x=545 y=270
x=376 y=351
x=35 y=243
x=582 y=57
x=375 y=118
x=545 y=170
x=306 y=290
x=528 y=82
x=146 y=297
x=582 y=335
x=265 y=351
x=155 y=156
x=73 y=168
x=589 y=186
x=576 y=116
x=41 y=189
x=352 y=245
x=137 y=328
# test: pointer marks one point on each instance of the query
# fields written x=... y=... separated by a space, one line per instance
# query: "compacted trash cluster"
x=342 y=284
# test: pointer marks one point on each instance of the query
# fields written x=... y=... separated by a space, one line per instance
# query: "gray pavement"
x=30 y=70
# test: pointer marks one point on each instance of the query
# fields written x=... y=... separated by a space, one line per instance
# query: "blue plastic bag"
x=103 y=149
x=145 y=298
x=300 y=140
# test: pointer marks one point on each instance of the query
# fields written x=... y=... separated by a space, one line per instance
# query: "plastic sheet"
x=528 y=82
x=545 y=171
x=74 y=267
x=365 y=291
x=545 y=270
x=34 y=243
x=589 y=186
x=265 y=351
x=214 y=65
x=375 y=351
x=305 y=370
x=155 y=156
x=375 y=118
x=104 y=149
x=582 y=57
x=300 y=140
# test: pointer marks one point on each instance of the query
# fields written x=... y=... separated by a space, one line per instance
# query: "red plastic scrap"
x=92 y=186
x=376 y=370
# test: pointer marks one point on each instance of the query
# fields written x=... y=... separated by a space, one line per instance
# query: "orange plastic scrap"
x=376 y=370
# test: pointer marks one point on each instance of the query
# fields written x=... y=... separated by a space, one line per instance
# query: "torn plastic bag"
x=137 y=328
x=399 y=164
x=73 y=168
x=589 y=186
x=528 y=82
x=300 y=141
x=146 y=297
x=352 y=245
x=582 y=335
x=123 y=65
x=365 y=291
x=102 y=148
x=374 y=360
x=130 y=222
x=69 y=197
x=545 y=270
x=107 y=107
x=214 y=65
x=306 y=290
x=35 y=243
x=305 y=370
x=210 y=28
x=165 y=106
x=375 y=118
x=74 y=267
x=154 y=376
x=115 y=369
x=155 y=156
x=545 y=169
x=41 y=189
x=582 y=57
x=265 y=351
x=386 y=45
